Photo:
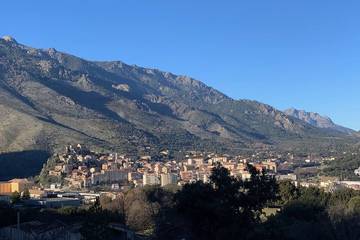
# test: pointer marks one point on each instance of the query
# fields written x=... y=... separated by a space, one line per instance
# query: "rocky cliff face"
x=49 y=98
x=317 y=120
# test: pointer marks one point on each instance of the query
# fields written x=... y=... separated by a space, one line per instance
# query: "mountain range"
x=49 y=98
x=317 y=120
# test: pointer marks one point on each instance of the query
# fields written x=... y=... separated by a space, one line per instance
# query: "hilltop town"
x=79 y=172
x=79 y=178
x=79 y=168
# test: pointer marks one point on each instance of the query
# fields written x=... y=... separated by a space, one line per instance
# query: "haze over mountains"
x=49 y=99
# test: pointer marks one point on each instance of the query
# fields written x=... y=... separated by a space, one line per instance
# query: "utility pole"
x=18 y=220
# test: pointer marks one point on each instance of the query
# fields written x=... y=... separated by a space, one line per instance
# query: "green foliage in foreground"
x=225 y=208
x=15 y=197
x=344 y=166
x=313 y=214
x=229 y=209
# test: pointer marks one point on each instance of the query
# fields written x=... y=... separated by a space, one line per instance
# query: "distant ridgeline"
x=57 y=98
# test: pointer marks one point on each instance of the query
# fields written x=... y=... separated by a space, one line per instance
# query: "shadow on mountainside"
x=22 y=164
x=90 y=100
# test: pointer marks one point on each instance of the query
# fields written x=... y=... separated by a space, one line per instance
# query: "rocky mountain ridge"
x=49 y=99
x=317 y=120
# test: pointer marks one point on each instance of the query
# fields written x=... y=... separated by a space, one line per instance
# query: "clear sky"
x=303 y=54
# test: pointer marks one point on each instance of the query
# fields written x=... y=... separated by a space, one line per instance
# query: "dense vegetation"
x=218 y=211
x=224 y=208
x=344 y=166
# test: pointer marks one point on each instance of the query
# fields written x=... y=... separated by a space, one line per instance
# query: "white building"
x=168 y=178
x=109 y=176
x=150 y=179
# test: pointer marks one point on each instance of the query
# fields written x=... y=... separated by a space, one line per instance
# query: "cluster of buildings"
x=79 y=168
x=78 y=175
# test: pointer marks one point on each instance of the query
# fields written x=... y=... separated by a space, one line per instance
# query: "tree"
x=15 y=197
x=68 y=211
x=287 y=192
x=115 y=206
x=314 y=196
x=96 y=208
x=227 y=207
x=260 y=190
x=345 y=215
x=26 y=194
x=354 y=205
x=143 y=207
x=96 y=227
x=342 y=196
x=299 y=220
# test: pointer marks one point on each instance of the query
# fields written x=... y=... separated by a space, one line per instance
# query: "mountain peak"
x=68 y=99
x=8 y=38
x=316 y=120
x=313 y=115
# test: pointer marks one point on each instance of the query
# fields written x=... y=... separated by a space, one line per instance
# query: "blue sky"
x=303 y=54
